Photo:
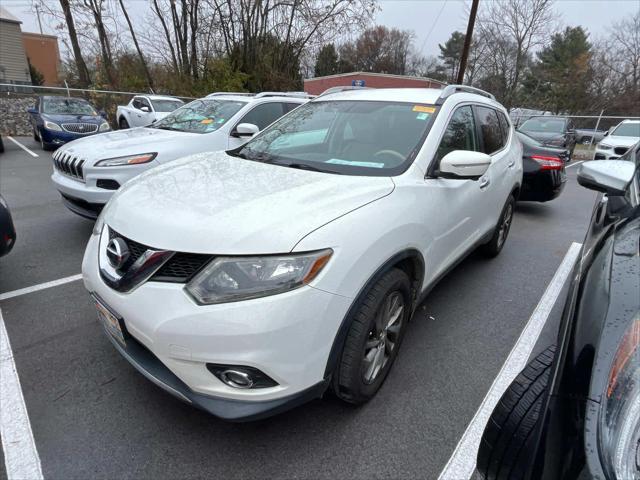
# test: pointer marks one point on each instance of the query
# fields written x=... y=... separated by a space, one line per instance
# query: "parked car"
x=7 y=230
x=249 y=281
x=544 y=176
x=57 y=120
x=89 y=171
x=1 y=145
x=143 y=110
x=551 y=131
x=586 y=136
x=574 y=411
x=618 y=140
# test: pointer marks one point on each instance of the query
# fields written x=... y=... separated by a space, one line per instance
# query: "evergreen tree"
x=36 y=76
x=450 y=54
x=327 y=61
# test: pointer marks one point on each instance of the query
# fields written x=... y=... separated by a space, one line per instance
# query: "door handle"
x=511 y=164
x=484 y=182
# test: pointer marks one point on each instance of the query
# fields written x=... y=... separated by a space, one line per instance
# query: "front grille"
x=81 y=128
x=179 y=269
x=620 y=150
x=68 y=164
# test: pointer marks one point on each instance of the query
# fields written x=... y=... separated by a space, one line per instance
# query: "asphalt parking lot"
x=94 y=416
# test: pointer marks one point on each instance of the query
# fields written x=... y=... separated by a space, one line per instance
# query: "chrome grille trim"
x=68 y=165
x=80 y=128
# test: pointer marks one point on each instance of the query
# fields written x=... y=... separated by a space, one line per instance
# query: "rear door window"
x=505 y=126
x=264 y=114
x=490 y=130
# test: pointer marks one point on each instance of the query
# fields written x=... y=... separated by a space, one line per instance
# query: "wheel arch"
x=412 y=263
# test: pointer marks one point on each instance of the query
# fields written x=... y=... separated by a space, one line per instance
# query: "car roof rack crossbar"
x=451 y=89
x=284 y=94
x=343 y=88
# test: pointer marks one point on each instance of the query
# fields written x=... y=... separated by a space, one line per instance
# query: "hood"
x=58 y=118
x=218 y=204
x=619 y=141
x=129 y=142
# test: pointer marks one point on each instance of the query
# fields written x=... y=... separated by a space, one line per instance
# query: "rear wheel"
x=494 y=246
x=122 y=123
x=507 y=442
x=374 y=338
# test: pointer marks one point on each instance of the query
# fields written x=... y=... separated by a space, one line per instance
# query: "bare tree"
x=96 y=8
x=137 y=45
x=81 y=66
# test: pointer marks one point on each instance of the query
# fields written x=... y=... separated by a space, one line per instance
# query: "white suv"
x=89 y=170
x=249 y=281
x=618 y=140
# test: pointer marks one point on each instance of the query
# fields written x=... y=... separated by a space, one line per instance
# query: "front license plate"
x=111 y=322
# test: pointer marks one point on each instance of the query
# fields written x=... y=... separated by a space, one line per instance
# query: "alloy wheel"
x=505 y=225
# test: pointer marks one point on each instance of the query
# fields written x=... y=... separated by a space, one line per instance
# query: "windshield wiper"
x=304 y=166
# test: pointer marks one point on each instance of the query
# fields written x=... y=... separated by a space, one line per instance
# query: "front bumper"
x=59 y=138
x=607 y=154
x=286 y=336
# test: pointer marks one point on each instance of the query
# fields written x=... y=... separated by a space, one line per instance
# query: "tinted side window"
x=490 y=129
x=460 y=133
x=505 y=126
x=145 y=103
x=264 y=114
x=137 y=103
x=290 y=106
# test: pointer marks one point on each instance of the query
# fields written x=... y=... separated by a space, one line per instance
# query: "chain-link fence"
x=15 y=100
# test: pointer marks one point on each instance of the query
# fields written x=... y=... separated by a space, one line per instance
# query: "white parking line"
x=33 y=154
x=21 y=457
x=463 y=461
x=574 y=164
x=40 y=286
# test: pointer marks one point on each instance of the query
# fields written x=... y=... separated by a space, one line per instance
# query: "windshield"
x=351 y=137
x=627 y=130
x=166 y=105
x=67 y=106
x=551 y=125
x=200 y=116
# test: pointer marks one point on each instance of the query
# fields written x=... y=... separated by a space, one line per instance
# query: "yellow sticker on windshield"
x=206 y=121
x=422 y=108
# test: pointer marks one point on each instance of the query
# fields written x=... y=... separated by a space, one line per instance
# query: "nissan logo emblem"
x=117 y=252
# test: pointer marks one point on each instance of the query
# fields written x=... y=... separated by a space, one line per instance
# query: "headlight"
x=619 y=431
x=104 y=127
x=127 y=160
x=230 y=279
x=604 y=146
x=49 y=125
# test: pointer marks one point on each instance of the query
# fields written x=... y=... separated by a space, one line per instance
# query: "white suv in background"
x=143 y=110
x=618 y=140
x=249 y=281
x=89 y=170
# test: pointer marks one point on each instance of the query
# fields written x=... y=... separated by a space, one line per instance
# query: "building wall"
x=315 y=86
x=43 y=53
x=13 y=61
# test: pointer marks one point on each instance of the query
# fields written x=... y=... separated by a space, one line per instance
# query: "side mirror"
x=608 y=176
x=103 y=114
x=32 y=110
x=464 y=164
x=606 y=133
x=246 y=130
x=145 y=109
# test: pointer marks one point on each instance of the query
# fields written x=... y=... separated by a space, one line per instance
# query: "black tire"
x=1 y=146
x=350 y=382
x=36 y=137
x=123 y=124
x=494 y=246
x=46 y=146
x=507 y=442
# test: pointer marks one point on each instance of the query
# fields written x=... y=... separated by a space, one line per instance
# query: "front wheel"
x=374 y=338
x=122 y=123
x=499 y=237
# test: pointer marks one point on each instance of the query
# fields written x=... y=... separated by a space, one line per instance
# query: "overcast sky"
x=434 y=20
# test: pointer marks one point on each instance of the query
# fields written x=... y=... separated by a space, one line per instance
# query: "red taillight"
x=548 y=163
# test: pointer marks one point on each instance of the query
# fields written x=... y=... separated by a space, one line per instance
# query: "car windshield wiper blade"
x=304 y=166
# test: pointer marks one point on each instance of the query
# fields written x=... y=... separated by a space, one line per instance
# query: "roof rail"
x=219 y=94
x=342 y=88
x=451 y=89
x=284 y=94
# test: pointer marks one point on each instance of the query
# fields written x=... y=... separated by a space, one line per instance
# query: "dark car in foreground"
x=7 y=230
x=544 y=175
x=551 y=131
x=57 y=120
x=574 y=412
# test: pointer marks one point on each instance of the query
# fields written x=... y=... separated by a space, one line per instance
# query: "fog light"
x=241 y=377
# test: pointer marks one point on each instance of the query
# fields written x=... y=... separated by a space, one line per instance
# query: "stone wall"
x=14 y=119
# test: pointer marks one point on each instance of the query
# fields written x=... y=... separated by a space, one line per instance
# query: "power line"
x=433 y=26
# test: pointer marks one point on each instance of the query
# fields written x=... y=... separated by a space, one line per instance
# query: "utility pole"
x=38 y=14
x=467 y=41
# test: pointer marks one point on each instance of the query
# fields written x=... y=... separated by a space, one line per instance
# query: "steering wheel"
x=392 y=153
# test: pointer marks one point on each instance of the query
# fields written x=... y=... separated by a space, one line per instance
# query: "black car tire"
x=36 y=137
x=123 y=124
x=45 y=146
x=1 y=146
x=507 y=442
x=349 y=382
x=494 y=246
